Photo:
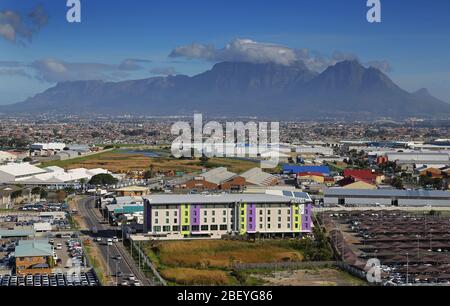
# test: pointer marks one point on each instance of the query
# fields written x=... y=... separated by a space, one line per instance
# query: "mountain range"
x=346 y=89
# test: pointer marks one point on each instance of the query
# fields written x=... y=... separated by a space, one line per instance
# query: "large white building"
x=26 y=174
x=212 y=216
x=12 y=173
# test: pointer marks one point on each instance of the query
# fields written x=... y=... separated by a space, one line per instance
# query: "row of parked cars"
x=50 y=280
x=75 y=250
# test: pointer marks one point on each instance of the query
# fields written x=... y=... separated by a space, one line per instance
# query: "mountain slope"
x=268 y=90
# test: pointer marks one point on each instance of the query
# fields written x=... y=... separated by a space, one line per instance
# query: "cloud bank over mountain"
x=247 y=50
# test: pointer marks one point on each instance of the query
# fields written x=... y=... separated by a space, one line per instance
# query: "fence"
x=148 y=262
x=285 y=265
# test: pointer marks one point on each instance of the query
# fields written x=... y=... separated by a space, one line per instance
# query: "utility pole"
x=407 y=269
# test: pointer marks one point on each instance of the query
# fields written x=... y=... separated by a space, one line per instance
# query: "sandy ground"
x=321 y=277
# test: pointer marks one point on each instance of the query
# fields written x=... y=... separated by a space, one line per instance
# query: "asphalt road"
x=126 y=265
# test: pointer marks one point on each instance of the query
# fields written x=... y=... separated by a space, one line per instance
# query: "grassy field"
x=209 y=262
x=189 y=276
x=222 y=253
x=119 y=162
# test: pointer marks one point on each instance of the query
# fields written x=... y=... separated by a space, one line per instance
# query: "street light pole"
x=117 y=264
x=407 y=269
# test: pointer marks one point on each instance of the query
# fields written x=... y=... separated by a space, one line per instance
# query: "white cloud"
x=16 y=29
x=247 y=50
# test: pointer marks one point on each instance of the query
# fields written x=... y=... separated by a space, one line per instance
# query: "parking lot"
x=411 y=248
x=50 y=280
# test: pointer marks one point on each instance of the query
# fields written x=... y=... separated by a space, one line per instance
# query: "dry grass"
x=121 y=163
x=194 y=277
x=222 y=253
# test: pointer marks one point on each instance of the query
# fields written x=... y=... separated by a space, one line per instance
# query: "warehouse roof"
x=387 y=193
x=32 y=248
x=16 y=233
x=21 y=169
x=302 y=169
x=258 y=177
x=218 y=175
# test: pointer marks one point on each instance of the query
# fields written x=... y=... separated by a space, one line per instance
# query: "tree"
x=103 y=179
x=397 y=182
x=43 y=193
x=149 y=173
x=16 y=194
x=36 y=190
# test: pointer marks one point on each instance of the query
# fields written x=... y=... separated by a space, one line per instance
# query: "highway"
x=126 y=265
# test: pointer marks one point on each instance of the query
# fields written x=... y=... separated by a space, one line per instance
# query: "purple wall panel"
x=195 y=215
x=251 y=218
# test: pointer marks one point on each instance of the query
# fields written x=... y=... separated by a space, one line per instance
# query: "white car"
x=115 y=239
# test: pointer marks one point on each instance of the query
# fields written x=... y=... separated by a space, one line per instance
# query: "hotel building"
x=213 y=216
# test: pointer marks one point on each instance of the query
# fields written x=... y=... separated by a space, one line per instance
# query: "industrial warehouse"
x=386 y=197
x=213 y=216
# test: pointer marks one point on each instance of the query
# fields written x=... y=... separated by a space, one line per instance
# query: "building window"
x=224 y=212
x=213 y=220
x=167 y=213
x=268 y=225
x=296 y=225
x=175 y=213
x=224 y=220
x=185 y=228
x=166 y=228
x=205 y=220
x=288 y=225
x=279 y=211
x=175 y=228
x=195 y=228
x=156 y=221
x=279 y=219
x=157 y=229
x=205 y=213
x=268 y=211
x=279 y=225
x=250 y=219
x=260 y=212
x=213 y=212
x=214 y=227
x=223 y=227
x=167 y=221
x=260 y=219
x=260 y=226
x=186 y=213
x=205 y=227
x=175 y=221
x=156 y=214
x=268 y=219
x=186 y=220
x=289 y=219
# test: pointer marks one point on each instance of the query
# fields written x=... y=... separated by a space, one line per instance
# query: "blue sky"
x=120 y=39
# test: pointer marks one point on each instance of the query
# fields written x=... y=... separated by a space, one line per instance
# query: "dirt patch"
x=319 y=277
